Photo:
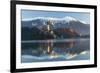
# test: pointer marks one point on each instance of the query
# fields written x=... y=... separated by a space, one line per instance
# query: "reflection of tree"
x=53 y=49
x=65 y=45
x=47 y=47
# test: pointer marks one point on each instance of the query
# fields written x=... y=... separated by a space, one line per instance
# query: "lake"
x=55 y=50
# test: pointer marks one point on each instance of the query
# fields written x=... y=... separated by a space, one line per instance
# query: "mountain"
x=42 y=21
x=34 y=34
x=62 y=28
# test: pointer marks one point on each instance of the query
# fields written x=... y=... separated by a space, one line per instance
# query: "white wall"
x=93 y=2
x=5 y=37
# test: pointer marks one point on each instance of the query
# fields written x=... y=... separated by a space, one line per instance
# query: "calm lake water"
x=55 y=50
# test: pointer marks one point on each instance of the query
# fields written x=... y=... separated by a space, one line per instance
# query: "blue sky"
x=82 y=16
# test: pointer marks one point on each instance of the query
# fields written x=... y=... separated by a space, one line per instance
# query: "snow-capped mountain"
x=68 y=18
x=66 y=22
x=42 y=21
x=67 y=25
x=39 y=21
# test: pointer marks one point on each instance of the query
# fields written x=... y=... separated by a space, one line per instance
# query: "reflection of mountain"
x=66 y=49
x=54 y=28
x=72 y=47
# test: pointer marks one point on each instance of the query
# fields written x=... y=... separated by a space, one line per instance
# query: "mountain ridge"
x=65 y=27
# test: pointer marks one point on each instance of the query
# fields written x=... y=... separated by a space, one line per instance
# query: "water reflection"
x=50 y=50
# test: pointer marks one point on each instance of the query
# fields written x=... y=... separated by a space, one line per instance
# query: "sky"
x=82 y=16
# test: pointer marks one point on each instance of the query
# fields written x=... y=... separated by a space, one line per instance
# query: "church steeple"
x=50 y=28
